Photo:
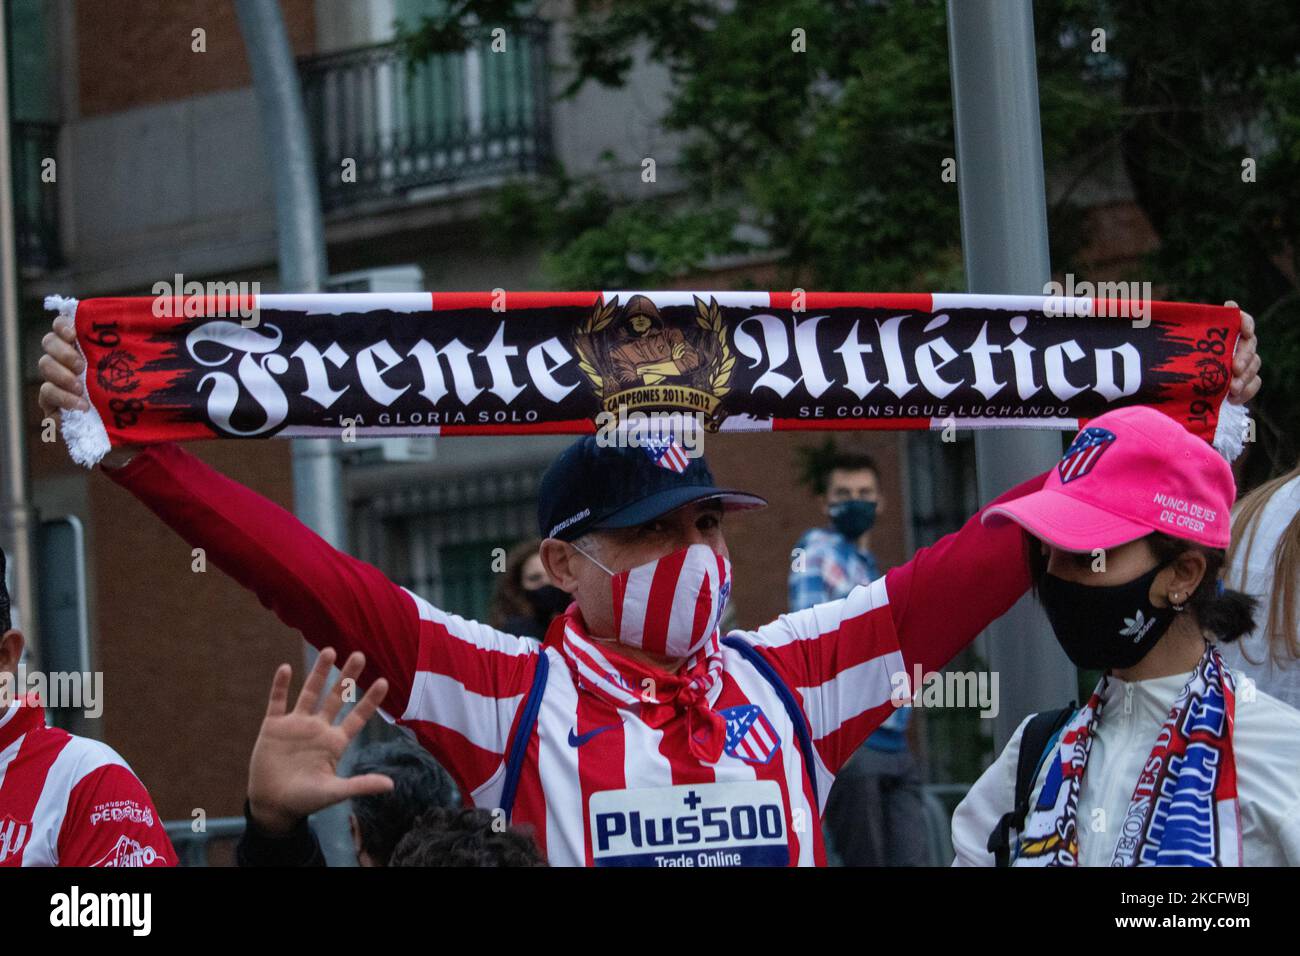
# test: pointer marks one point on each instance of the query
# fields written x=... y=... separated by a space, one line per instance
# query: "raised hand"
x=61 y=367
x=293 y=770
x=61 y=388
x=1245 y=362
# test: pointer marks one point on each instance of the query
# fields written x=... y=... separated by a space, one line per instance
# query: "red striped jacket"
x=71 y=801
x=597 y=784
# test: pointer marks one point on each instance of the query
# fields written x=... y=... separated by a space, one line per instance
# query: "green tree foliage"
x=832 y=157
x=1188 y=94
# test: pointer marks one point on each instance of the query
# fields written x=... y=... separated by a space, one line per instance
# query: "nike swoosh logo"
x=577 y=741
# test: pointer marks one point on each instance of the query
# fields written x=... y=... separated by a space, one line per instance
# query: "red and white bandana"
x=658 y=695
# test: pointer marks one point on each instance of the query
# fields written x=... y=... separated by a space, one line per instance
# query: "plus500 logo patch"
x=711 y=824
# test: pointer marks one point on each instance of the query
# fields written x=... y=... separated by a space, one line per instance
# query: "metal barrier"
x=938 y=801
x=193 y=848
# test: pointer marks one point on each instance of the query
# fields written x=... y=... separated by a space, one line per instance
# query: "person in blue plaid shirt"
x=873 y=814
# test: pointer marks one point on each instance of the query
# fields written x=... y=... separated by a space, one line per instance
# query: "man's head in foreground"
x=466 y=836
x=379 y=821
x=605 y=509
x=11 y=641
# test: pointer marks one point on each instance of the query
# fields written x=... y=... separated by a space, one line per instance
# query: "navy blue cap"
x=592 y=485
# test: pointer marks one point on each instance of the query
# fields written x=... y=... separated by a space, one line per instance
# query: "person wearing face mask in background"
x=525 y=601
x=1174 y=760
x=874 y=815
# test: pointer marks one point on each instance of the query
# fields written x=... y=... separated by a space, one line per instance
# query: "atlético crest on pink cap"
x=1146 y=472
x=1084 y=452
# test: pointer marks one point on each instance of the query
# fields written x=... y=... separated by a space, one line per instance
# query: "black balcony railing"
x=385 y=127
x=36 y=199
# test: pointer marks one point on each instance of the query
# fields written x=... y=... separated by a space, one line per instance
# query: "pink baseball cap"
x=1130 y=472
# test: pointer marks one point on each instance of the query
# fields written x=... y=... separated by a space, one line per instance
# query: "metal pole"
x=1004 y=243
x=317 y=480
x=18 y=519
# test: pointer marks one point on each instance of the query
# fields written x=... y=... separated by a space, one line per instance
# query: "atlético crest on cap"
x=666 y=453
x=750 y=735
x=1084 y=453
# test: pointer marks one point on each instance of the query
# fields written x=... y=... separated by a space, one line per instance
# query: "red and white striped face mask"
x=671 y=605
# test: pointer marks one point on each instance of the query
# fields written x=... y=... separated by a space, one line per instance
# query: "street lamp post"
x=1005 y=247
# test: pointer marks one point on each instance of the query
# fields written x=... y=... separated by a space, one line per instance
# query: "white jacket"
x=1266 y=742
x=1250 y=655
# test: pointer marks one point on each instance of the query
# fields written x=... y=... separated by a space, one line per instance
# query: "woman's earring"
x=1173 y=601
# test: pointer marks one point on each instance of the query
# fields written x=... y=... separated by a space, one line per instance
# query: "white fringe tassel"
x=1230 y=432
x=84 y=432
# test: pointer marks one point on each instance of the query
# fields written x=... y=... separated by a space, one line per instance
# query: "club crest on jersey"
x=1084 y=453
x=750 y=735
x=13 y=836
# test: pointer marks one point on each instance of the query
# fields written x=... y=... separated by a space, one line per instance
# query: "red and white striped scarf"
x=658 y=696
x=1184 y=809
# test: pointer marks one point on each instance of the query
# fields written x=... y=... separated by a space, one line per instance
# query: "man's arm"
x=851 y=659
x=110 y=821
x=952 y=590
x=294 y=768
x=258 y=846
x=456 y=682
x=334 y=599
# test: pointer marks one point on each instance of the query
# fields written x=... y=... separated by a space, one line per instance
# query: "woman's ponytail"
x=1225 y=613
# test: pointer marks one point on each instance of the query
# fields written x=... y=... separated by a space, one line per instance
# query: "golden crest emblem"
x=638 y=359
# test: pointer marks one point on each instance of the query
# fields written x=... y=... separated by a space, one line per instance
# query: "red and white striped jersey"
x=71 y=801
x=598 y=785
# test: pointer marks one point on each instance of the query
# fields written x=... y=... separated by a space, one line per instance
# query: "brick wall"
x=186 y=657
x=760 y=541
x=134 y=52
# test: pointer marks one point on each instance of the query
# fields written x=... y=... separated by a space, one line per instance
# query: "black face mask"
x=853 y=518
x=548 y=601
x=1104 y=627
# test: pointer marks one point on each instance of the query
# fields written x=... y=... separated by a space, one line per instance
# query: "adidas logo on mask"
x=1135 y=627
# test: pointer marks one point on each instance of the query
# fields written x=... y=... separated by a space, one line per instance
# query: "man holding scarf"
x=635 y=734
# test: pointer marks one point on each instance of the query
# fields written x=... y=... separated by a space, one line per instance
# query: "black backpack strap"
x=788 y=700
x=523 y=733
x=1039 y=733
